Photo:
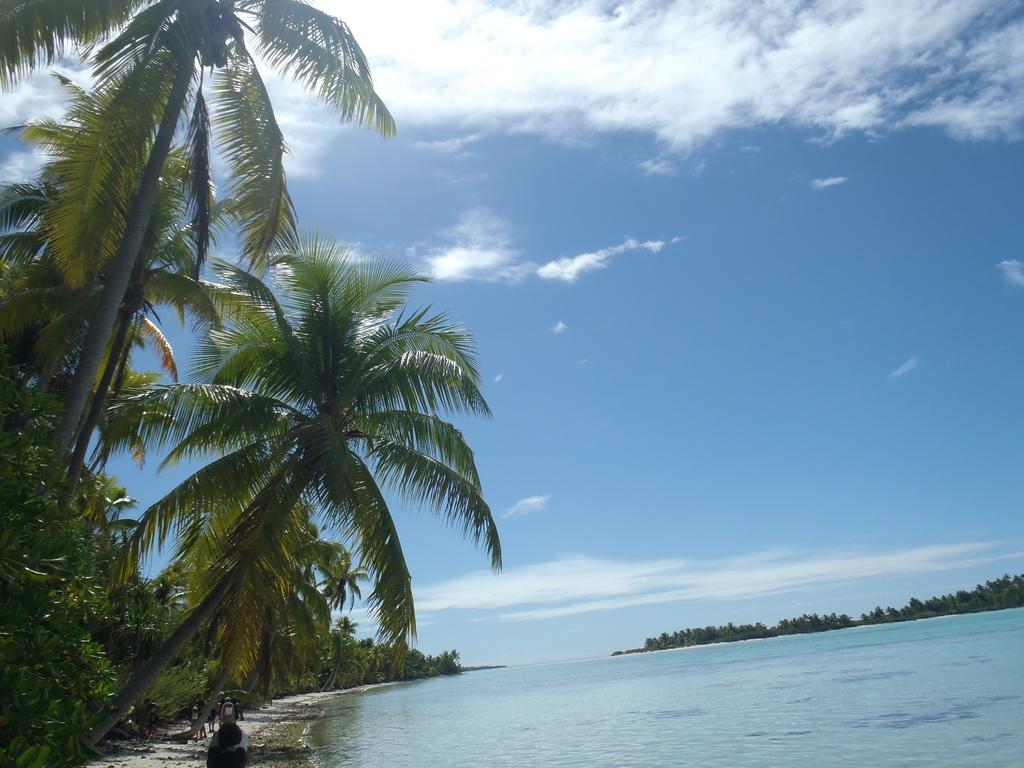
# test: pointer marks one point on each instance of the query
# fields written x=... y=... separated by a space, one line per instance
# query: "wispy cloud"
x=580 y=584
x=452 y=146
x=571 y=267
x=481 y=246
x=1013 y=271
x=527 y=506
x=830 y=181
x=558 y=328
x=478 y=247
x=658 y=166
x=499 y=378
x=909 y=365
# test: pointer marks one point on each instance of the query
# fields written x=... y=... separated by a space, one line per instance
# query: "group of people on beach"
x=227 y=710
x=229 y=745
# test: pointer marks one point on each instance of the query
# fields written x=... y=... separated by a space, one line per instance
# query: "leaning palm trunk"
x=119 y=269
x=140 y=682
x=329 y=685
x=117 y=354
x=250 y=681
x=218 y=685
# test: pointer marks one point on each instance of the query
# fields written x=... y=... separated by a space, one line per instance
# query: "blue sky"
x=747 y=285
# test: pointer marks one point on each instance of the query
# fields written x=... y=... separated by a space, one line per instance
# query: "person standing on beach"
x=199 y=728
x=228 y=712
x=152 y=717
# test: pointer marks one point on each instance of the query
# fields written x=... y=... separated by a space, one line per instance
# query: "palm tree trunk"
x=100 y=462
x=250 y=681
x=144 y=677
x=329 y=685
x=218 y=686
x=119 y=269
x=99 y=399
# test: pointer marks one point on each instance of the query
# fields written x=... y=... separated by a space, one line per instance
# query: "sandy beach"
x=274 y=730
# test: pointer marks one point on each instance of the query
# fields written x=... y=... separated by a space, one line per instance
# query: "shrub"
x=53 y=677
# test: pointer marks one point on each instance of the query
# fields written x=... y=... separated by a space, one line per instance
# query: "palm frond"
x=354 y=502
x=321 y=52
x=426 y=433
x=97 y=155
x=35 y=33
x=423 y=481
x=200 y=179
x=21 y=205
x=254 y=148
x=161 y=346
x=198 y=419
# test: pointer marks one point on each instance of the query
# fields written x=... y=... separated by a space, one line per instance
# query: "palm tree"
x=341 y=580
x=149 y=70
x=342 y=652
x=274 y=619
x=326 y=397
x=58 y=299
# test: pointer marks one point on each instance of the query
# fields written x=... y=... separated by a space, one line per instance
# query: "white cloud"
x=583 y=361
x=658 y=166
x=685 y=72
x=21 y=166
x=681 y=71
x=830 y=181
x=1013 y=271
x=527 y=506
x=451 y=146
x=581 y=584
x=478 y=247
x=558 y=328
x=481 y=247
x=570 y=268
x=909 y=365
x=499 y=378
x=40 y=95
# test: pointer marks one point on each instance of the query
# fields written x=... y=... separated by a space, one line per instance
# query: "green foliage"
x=996 y=595
x=348 y=662
x=177 y=687
x=53 y=675
x=1005 y=592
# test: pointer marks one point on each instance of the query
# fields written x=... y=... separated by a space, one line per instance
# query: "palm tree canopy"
x=54 y=295
x=342 y=579
x=141 y=49
x=333 y=395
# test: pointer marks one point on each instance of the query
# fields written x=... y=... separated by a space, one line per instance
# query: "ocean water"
x=941 y=692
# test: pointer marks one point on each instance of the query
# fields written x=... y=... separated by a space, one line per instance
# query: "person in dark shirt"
x=228 y=748
x=152 y=717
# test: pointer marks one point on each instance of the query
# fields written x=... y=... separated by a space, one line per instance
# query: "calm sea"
x=942 y=692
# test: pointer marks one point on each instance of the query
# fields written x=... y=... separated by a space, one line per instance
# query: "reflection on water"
x=943 y=693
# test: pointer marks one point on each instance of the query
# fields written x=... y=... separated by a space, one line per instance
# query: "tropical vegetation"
x=313 y=402
x=996 y=595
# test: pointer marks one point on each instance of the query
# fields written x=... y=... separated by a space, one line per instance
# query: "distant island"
x=481 y=667
x=1002 y=593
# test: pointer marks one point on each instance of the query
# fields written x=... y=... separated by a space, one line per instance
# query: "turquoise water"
x=942 y=692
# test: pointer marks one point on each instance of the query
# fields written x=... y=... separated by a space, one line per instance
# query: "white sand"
x=167 y=752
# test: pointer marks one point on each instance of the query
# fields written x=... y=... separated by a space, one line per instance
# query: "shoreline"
x=276 y=731
x=856 y=624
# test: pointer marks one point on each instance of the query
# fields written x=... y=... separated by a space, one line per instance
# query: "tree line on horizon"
x=315 y=402
x=998 y=594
